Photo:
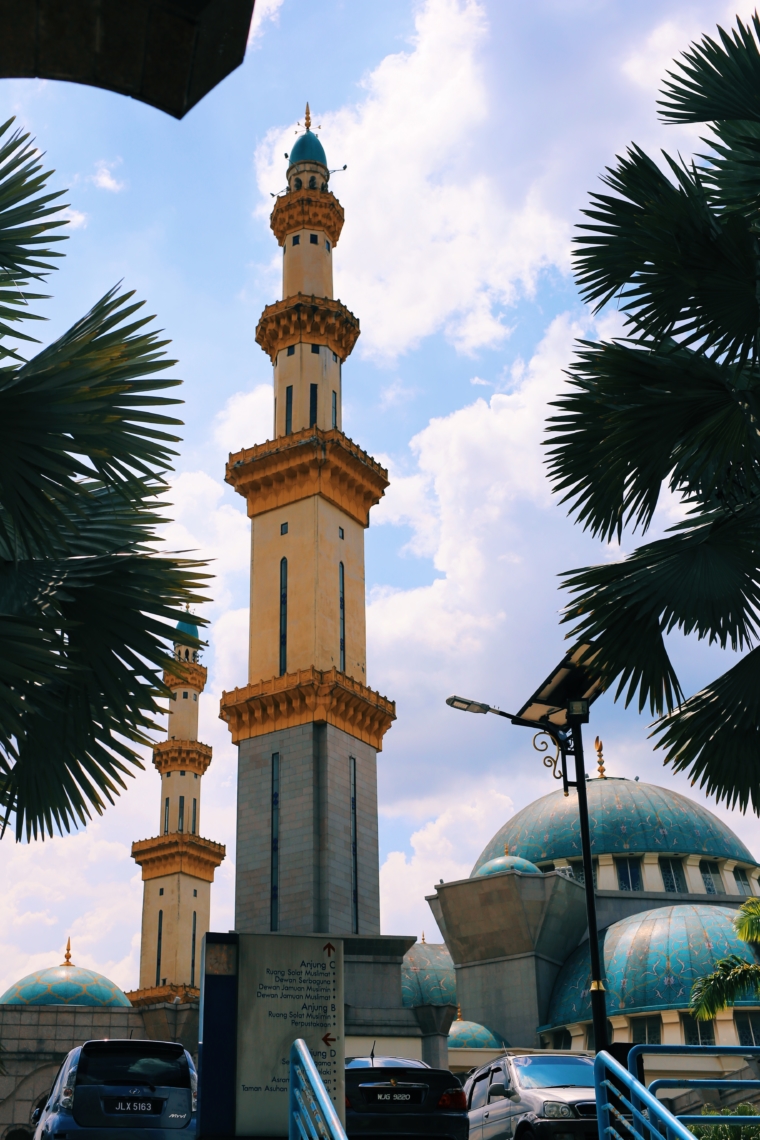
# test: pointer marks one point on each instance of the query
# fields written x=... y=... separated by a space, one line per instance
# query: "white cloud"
x=431 y=240
x=76 y=219
x=103 y=177
x=446 y=847
x=263 y=10
x=246 y=419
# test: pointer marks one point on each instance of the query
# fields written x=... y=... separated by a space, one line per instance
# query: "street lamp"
x=557 y=709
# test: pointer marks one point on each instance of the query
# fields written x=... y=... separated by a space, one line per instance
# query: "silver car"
x=533 y=1096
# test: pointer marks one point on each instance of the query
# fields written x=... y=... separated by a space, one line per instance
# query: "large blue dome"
x=472 y=1035
x=626 y=817
x=650 y=961
x=308 y=148
x=427 y=976
x=65 y=985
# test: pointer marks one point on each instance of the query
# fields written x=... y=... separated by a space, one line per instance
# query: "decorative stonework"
x=308 y=462
x=182 y=756
x=306 y=696
x=188 y=673
x=307 y=210
x=172 y=992
x=178 y=851
x=314 y=320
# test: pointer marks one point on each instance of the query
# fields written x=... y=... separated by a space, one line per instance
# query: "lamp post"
x=558 y=709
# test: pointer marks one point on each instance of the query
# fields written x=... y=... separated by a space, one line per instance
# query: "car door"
x=478 y=1104
x=497 y=1117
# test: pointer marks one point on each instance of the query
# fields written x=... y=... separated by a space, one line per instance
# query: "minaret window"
x=181 y=823
x=160 y=890
x=313 y=390
x=313 y=182
x=291 y=350
x=158 y=946
x=314 y=239
x=334 y=408
x=296 y=239
x=274 y=906
x=195 y=815
x=184 y=696
x=342 y=591
x=327 y=245
x=283 y=616
x=354 y=858
x=341 y=532
x=192 y=950
x=166 y=815
x=288 y=409
x=283 y=528
x=315 y=349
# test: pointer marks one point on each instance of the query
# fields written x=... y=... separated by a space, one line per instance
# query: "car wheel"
x=526 y=1134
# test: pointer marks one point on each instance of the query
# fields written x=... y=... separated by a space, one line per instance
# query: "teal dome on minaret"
x=66 y=984
x=308 y=148
x=188 y=626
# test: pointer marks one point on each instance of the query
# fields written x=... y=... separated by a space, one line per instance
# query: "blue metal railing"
x=625 y=1108
x=312 y=1114
x=686 y=1083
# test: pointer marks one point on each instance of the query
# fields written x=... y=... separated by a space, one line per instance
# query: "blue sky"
x=472 y=133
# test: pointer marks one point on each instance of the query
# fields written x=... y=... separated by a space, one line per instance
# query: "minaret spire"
x=307 y=118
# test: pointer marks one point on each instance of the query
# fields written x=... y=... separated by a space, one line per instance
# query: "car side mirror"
x=36 y=1115
x=496 y=1091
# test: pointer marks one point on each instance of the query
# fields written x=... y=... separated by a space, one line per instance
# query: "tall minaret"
x=308 y=727
x=177 y=865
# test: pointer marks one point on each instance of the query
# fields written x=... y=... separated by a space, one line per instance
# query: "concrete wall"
x=315 y=860
x=183 y=896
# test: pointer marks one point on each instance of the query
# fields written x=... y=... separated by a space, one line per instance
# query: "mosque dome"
x=507 y=863
x=471 y=1035
x=65 y=985
x=650 y=962
x=427 y=976
x=626 y=817
x=188 y=626
x=308 y=148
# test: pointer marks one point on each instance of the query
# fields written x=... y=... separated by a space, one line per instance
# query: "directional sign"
x=288 y=987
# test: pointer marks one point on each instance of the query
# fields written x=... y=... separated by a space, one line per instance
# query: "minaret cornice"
x=306 y=696
x=307 y=210
x=308 y=319
x=308 y=462
x=178 y=852
x=188 y=673
x=181 y=756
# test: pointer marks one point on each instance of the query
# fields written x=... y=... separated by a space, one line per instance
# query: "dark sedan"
x=395 y=1097
x=533 y=1096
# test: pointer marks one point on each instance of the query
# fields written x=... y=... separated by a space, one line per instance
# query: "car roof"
x=385 y=1063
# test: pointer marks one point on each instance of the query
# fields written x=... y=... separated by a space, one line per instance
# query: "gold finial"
x=307 y=118
x=599 y=757
x=459 y=1012
x=506 y=849
x=67 y=956
x=423 y=936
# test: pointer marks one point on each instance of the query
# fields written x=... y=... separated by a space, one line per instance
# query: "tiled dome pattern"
x=625 y=816
x=470 y=1035
x=65 y=985
x=507 y=863
x=427 y=976
x=650 y=961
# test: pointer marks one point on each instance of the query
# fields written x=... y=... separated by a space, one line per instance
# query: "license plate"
x=132 y=1106
x=393 y=1096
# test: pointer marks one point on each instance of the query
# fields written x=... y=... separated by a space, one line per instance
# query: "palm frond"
x=747 y=920
x=715 y=81
x=732 y=980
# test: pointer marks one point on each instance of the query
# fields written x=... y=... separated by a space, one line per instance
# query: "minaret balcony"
x=188 y=673
x=307 y=210
x=308 y=462
x=178 y=852
x=308 y=319
x=181 y=756
x=304 y=697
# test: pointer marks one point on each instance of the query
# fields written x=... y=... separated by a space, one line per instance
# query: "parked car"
x=533 y=1096
x=104 y=1086
x=394 y=1096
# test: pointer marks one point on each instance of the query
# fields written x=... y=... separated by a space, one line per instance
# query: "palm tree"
x=675 y=404
x=732 y=978
x=85 y=602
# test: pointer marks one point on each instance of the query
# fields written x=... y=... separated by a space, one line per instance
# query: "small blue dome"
x=650 y=961
x=507 y=863
x=308 y=148
x=471 y=1035
x=625 y=816
x=65 y=985
x=427 y=976
x=187 y=625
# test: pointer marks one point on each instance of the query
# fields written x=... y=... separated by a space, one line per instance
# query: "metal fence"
x=312 y=1114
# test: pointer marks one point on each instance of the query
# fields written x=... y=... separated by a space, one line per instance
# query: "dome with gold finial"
x=66 y=984
x=308 y=148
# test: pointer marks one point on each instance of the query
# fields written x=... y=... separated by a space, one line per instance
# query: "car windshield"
x=384 y=1063
x=554 y=1072
x=141 y=1063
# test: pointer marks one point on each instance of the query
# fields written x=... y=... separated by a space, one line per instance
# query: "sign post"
x=287 y=986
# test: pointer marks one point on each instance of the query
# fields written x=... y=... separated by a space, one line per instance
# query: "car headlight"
x=557 y=1110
